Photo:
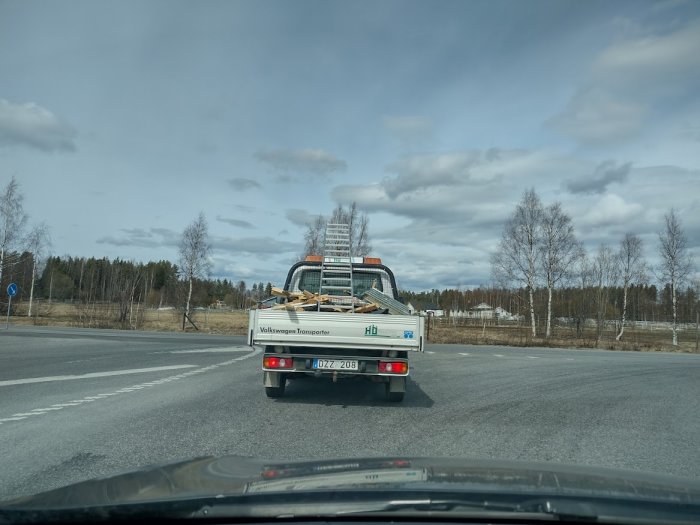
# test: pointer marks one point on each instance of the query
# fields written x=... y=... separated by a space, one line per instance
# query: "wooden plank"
x=367 y=308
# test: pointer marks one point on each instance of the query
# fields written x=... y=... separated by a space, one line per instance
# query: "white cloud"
x=468 y=185
x=428 y=171
x=631 y=81
x=597 y=117
x=606 y=173
x=142 y=238
x=34 y=126
x=301 y=162
x=610 y=210
x=653 y=55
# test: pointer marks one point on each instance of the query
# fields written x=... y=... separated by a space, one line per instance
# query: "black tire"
x=395 y=397
x=274 y=391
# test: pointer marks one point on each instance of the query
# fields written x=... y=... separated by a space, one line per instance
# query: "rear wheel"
x=394 y=397
x=274 y=391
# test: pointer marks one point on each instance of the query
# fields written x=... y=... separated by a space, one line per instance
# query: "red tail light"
x=277 y=362
x=393 y=367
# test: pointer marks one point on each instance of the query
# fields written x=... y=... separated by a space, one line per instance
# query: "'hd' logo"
x=371 y=330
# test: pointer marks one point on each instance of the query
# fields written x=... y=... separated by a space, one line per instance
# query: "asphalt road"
x=77 y=404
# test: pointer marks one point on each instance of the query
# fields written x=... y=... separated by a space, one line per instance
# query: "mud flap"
x=272 y=379
x=397 y=384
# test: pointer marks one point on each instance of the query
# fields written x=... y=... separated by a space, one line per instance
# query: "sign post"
x=11 y=292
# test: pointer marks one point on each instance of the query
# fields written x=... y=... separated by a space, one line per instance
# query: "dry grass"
x=106 y=316
x=636 y=340
x=441 y=330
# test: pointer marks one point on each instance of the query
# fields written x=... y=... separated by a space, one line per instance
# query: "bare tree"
x=632 y=270
x=313 y=238
x=605 y=272
x=676 y=264
x=560 y=250
x=38 y=243
x=194 y=254
x=359 y=228
x=584 y=274
x=518 y=256
x=126 y=278
x=12 y=219
x=359 y=231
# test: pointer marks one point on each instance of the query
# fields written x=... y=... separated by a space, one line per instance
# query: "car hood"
x=208 y=477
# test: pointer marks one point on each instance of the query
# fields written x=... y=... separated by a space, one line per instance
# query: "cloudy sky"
x=123 y=119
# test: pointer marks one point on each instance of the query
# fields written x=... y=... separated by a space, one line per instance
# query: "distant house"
x=432 y=309
x=485 y=311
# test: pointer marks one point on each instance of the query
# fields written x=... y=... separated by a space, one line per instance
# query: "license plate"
x=335 y=364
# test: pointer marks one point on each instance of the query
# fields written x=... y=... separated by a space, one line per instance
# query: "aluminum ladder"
x=336 y=269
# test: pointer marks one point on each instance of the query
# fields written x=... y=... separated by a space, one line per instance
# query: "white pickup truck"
x=337 y=345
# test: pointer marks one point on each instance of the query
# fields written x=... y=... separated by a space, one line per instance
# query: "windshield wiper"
x=544 y=508
x=530 y=507
x=353 y=504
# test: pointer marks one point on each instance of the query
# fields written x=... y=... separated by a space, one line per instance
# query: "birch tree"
x=676 y=264
x=194 y=254
x=518 y=256
x=584 y=271
x=560 y=250
x=604 y=276
x=12 y=220
x=632 y=271
x=38 y=243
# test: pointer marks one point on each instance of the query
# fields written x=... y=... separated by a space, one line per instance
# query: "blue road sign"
x=12 y=290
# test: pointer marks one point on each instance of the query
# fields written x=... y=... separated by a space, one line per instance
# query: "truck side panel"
x=349 y=331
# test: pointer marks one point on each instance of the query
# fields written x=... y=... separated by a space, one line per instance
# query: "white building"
x=485 y=311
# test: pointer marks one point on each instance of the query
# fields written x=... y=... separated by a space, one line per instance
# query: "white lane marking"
x=497 y=355
x=90 y=399
x=463 y=353
x=12 y=419
x=429 y=352
x=532 y=357
x=92 y=375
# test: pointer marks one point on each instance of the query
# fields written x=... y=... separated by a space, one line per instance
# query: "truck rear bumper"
x=348 y=365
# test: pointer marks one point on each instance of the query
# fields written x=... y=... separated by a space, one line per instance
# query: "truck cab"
x=368 y=272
